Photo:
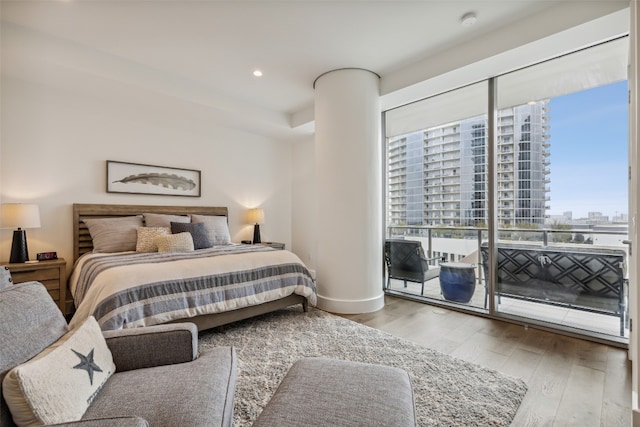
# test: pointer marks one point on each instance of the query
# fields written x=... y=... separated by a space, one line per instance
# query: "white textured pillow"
x=180 y=242
x=146 y=238
x=114 y=234
x=216 y=226
x=5 y=277
x=163 y=220
x=59 y=384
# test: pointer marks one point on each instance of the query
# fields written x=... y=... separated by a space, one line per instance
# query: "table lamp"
x=256 y=217
x=19 y=216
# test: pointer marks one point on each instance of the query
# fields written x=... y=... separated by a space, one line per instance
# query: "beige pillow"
x=216 y=226
x=146 y=238
x=162 y=220
x=59 y=384
x=114 y=234
x=180 y=242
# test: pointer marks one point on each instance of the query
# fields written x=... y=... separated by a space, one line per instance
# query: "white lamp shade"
x=19 y=215
x=255 y=216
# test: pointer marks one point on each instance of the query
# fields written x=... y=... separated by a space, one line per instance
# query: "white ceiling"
x=204 y=52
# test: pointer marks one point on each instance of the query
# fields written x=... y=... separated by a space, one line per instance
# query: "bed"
x=210 y=287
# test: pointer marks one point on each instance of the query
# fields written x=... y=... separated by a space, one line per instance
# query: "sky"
x=589 y=151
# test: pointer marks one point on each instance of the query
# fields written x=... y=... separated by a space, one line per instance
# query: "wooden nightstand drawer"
x=55 y=295
x=52 y=274
x=37 y=275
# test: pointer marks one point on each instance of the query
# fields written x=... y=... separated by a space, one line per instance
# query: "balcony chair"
x=406 y=261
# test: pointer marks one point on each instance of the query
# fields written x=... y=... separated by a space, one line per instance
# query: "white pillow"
x=217 y=228
x=59 y=384
x=180 y=242
x=146 y=236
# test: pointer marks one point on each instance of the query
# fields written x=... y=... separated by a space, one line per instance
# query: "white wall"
x=304 y=195
x=55 y=141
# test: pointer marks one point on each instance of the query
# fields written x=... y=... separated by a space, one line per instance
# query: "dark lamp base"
x=256 y=234
x=19 y=251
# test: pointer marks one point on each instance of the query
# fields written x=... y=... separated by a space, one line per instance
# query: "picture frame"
x=138 y=178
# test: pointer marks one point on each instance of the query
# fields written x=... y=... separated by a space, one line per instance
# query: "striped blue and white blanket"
x=130 y=289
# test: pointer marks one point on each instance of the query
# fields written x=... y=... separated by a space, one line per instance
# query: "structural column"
x=349 y=188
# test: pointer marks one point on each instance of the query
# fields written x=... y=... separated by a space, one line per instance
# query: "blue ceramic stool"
x=457 y=281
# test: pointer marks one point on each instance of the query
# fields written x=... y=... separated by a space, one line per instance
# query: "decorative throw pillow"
x=5 y=277
x=180 y=242
x=114 y=234
x=217 y=228
x=162 y=220
x=146 y=237
x=59 y=384
x=198 y=232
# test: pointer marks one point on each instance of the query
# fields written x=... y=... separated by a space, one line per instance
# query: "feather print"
x=166 y=180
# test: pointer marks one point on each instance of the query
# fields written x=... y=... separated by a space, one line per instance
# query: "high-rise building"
x=438 y=176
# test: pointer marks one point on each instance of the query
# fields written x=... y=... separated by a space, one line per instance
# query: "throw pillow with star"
x=59 y=384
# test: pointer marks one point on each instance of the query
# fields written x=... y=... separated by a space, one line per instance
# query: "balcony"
x=463 y=244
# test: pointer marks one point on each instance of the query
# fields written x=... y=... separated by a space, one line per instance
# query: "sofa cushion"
x=108 y=422
x=320 y=392
x=195 y=394
x=137 y=348
x=32 y=321
x=5 y=277
x=59 y=384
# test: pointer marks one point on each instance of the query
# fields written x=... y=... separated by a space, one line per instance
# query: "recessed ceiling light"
x=257 y=73
x=468 y=19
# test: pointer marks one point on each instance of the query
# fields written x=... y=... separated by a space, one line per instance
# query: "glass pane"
x=436 y=196
x=562 y=191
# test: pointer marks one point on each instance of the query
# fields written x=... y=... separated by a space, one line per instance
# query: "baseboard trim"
x=333 y=305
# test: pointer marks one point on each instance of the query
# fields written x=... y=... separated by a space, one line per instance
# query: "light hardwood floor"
x=571 y=382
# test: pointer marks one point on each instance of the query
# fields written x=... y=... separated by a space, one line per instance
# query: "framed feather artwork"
x=137 y=178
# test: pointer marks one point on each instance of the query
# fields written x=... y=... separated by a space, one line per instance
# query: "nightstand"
x=52 y=274
x=274 y=245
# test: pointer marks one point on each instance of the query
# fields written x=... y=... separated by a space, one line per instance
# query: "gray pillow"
x=197 y=230
x=217 y=228
x=163 y=220
x=5 y=277
x=114 y=234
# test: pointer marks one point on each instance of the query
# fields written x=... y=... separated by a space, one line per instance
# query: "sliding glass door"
x=561 y=256
x=436 y=189
x=553 y=192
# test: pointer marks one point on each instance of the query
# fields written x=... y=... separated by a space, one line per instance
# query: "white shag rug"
x=448 y=391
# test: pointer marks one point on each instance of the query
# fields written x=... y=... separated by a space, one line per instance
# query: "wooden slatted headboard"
x=82 y=242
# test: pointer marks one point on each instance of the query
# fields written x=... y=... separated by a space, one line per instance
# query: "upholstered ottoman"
x=326 y=392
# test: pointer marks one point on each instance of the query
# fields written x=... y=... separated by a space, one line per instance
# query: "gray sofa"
x=160 y=378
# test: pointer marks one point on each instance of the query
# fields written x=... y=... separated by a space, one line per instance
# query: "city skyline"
x=589 y=152
x=587 y=133
x=438 y=176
